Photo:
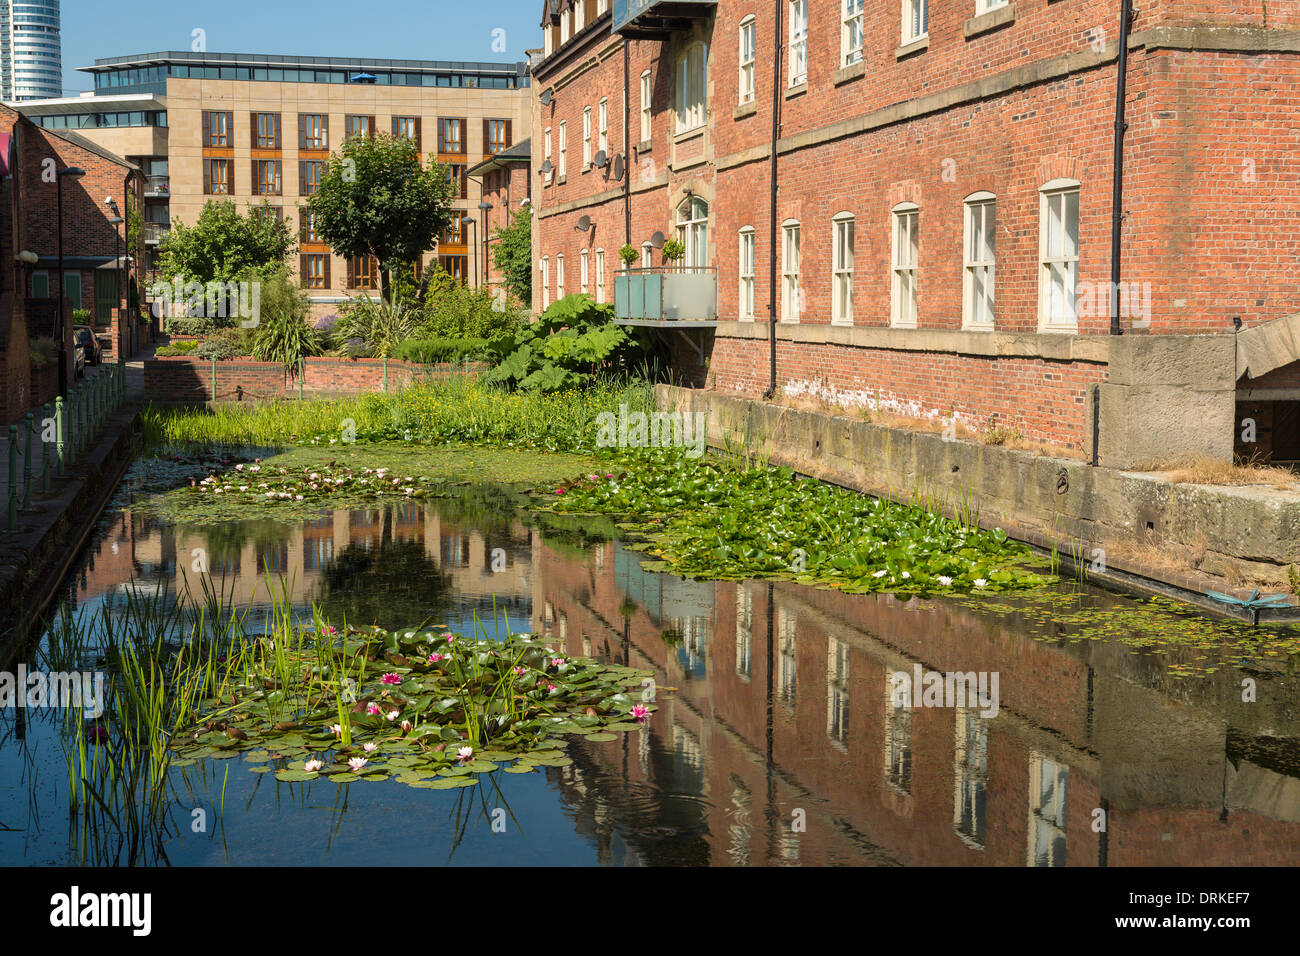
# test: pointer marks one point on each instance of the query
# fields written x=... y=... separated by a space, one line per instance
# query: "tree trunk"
x=385 y=286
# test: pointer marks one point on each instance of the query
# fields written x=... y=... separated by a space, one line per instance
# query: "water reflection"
x=780 y=742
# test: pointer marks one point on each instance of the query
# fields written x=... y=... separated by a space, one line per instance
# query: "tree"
x=223 y=245
x=377 y=199
x=513 y=255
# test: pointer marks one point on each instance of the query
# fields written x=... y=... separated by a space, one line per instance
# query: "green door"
x=106 y=297
x=72 y=292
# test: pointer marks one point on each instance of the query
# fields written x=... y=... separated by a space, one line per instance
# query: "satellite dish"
x=546 y=167
x=583 y=224
x=546 y=97
x=657 y=240
x=600 y=160
x=617 y=171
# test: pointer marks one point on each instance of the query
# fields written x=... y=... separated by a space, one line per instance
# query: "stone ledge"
x=991 y=20
x=744 y=109
x=849 y=73
x=916 y=46
x=1052 y=346
x=799 y=89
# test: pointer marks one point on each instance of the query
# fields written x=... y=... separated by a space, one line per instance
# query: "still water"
x=778 y=741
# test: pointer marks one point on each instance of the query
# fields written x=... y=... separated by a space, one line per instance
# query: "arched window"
x=903 y=298
x=600 y=275
x=1058 y=244
x=842 y=227
x=693 y=231
x=978 y=265
x=745 y=269
x=646 y=250
x=545 y=268
x=584 y=272
x=559 y=277
x=692 y=67
x=791 y=252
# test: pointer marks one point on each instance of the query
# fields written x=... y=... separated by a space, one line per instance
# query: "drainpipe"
x=627 y=145
x=1121 y=125
x=772 y=230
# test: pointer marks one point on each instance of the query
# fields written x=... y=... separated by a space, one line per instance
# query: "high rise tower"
x=31 y=65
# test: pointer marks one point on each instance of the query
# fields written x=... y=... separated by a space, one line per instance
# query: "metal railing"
x=64 y=434
x=156 y=231
x=157 y=186
x=676 y=293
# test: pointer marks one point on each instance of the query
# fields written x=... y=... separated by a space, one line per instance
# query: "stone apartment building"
x=259 y=129
x=910 y=206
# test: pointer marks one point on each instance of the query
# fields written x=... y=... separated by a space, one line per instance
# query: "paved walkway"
x=134 y=394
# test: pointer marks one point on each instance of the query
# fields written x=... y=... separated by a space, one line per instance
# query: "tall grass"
x=458 y=410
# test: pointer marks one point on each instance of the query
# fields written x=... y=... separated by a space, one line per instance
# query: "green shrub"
x=282 y=333
x=81 y=316
x=381 y=326
x=185 y=347
x=227 y=344
x=429 y=351
x=574 y=340
x=629 y=254
x=42 y=351
x=453 y=310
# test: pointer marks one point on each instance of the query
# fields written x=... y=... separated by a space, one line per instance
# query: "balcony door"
x=693 y=231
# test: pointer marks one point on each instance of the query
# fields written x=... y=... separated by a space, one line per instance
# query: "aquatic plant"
x=721 y=520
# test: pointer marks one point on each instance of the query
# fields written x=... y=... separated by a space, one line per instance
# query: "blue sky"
x=400 y=29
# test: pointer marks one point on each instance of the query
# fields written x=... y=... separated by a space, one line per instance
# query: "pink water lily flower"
x=373 y=709
x=328 y=630
x=552 y=688
x=336 y=730
x=465 y=753
x=356 y=763
x=639 y=713
x=559 y=491
x=391 y=679
x=521 y=671
x=370 y=748
x=406 y=726
x=312 y=766
x=434 y=658
x=557 y=661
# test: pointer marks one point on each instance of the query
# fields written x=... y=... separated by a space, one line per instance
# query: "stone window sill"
x=644 y=146
x=991 y=20
x=851 y=72
x=916 y=46
x=798 y=90
x=745 y=109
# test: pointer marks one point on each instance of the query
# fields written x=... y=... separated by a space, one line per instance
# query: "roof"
x=76 y=139
x=520 y=152
x=356 y=64
x=108 y=103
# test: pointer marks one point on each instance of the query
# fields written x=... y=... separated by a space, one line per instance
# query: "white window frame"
x=647 y=106
x=979 y=261
x=905 y=219
x=545 y=268
x=984 y=6
x=602 y=126
x=748 y=37
x=745 y=273
x=586 y=138
x=601 y=7
x=843 y=227
x=600 y=275
x=916 y=20
x=546 y=154
x=791 y=259
x=565 y=26
x=564 y=148
x=692 y=77
x=851 y=19
x=559 y=276
x=646 y=252
x=1056 y=198
x=584 y=272
x=797 y=64
x=693 y=231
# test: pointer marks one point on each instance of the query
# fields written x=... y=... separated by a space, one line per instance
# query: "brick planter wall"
x=45 y=384
x=186 y=379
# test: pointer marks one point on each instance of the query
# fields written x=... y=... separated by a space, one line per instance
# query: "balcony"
x=156 y=187
x=677 y=296
x=655 y=19
x=155 y=232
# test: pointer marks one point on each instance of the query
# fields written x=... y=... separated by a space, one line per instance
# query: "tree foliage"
x=224 y=245
x=283 y=334
x=513 y=255
x=377 y=199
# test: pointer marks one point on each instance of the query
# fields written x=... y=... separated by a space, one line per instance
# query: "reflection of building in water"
x=886 y=781
x=243 y=558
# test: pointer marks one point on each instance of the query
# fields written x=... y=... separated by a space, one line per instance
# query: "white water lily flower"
x=312 y=766
x=356 y=763
x=880 y=574
x=906 y=575
x=465 y=753
x=945 y=581
x=370 y=748
x=981 y=583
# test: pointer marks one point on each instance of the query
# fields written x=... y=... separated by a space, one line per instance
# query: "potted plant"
x=673 y=251
x=629 y=255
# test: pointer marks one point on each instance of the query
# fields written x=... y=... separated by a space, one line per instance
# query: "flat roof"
x=109 y=103
x=103 y=64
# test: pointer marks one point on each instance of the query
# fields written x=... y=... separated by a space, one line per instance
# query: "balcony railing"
x=653 y=18
x=156 y=231
x=667 y=294
x=157 y=186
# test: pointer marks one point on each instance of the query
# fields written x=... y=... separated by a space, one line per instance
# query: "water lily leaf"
x=295 y=776
x=521 y=768
x=602 y=737
x=344 y=777
x=447 y=783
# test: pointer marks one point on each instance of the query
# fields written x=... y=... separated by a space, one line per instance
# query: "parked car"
x=79 y=359
x=88 y=345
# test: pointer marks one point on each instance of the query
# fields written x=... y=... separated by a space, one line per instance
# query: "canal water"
x=781 y=738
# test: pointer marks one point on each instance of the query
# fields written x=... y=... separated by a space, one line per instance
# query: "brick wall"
x=184 y=379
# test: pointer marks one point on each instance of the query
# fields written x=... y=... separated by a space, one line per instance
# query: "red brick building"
x=91 y=249
x=917 y=199
x=506 y=188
